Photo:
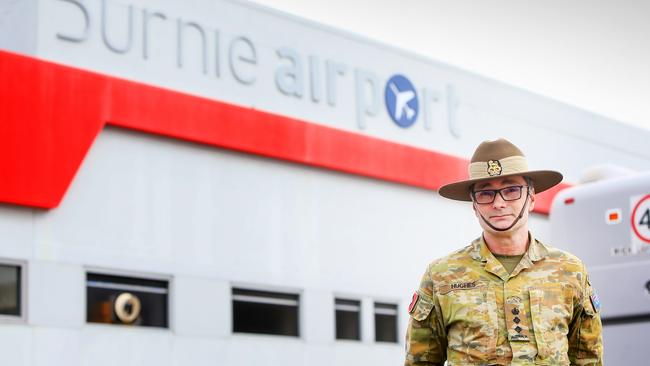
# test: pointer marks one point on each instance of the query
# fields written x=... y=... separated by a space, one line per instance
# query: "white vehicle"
x=607 y=224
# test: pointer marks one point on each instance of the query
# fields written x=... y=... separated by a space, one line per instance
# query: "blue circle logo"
x=401 y=101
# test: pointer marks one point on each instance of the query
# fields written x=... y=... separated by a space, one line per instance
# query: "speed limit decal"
x=640 y=219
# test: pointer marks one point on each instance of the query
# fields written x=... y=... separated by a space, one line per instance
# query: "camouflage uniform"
x=470 y=311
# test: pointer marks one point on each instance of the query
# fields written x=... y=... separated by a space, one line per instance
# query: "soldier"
x=507 y=298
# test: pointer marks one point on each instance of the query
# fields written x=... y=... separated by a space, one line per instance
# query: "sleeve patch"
x=414 y=301
x=595 y=301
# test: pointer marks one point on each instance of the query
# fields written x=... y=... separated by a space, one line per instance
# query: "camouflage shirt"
x=470 y=311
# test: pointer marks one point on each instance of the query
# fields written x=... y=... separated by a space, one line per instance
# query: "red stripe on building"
x=50 y=115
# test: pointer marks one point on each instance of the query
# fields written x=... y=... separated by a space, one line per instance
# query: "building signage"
x=217 y=53
x=401 y=101
x=220 y=77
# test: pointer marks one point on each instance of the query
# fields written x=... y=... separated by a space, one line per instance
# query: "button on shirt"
x=471 y=311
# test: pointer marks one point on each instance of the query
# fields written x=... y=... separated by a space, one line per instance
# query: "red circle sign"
x=643 y=219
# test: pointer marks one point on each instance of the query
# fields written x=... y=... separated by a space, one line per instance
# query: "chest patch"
x=462 y=285
x=456 y=286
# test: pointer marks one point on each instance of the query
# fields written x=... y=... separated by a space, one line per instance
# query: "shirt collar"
x=536 y=250
x=480 y=252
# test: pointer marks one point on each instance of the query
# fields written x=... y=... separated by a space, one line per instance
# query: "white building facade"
x=215 y=156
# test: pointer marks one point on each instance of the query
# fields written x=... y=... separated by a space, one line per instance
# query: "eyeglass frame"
x=499 y=191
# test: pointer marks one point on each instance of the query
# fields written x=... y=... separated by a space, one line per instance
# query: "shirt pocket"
x=470 y=316
x=551 y=308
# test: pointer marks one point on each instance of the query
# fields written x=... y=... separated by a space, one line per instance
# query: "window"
x=348 y=323
x=264 y=312
x=126 y=300
x=10 y=290
x=385 y=322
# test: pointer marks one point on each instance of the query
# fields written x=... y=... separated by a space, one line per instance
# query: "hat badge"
x=493 y=168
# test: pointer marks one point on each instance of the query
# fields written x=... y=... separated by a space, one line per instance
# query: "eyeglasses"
x=484 y=196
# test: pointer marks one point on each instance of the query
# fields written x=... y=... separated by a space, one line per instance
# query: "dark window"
x=126 y=300
x=385 y=322
x=348 y=323
x=264 y=312
x=10 y=290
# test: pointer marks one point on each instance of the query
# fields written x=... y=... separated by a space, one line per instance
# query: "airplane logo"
x=401 y=101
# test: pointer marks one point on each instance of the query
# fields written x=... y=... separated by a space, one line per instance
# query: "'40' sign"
x=640 y=219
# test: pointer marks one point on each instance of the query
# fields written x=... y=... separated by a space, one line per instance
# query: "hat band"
x=496 y=168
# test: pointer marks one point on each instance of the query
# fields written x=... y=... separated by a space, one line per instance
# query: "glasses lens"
x=511 y=193
x=484 y=196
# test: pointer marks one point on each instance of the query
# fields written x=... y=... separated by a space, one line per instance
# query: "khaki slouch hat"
x=498 y=159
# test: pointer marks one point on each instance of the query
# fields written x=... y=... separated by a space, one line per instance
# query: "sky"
x=593 y=54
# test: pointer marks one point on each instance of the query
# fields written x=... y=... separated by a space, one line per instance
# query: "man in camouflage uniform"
x=507 y=298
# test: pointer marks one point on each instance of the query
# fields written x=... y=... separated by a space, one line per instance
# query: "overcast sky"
x=593 y=54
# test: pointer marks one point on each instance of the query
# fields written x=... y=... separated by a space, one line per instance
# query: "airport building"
x=217 y=183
